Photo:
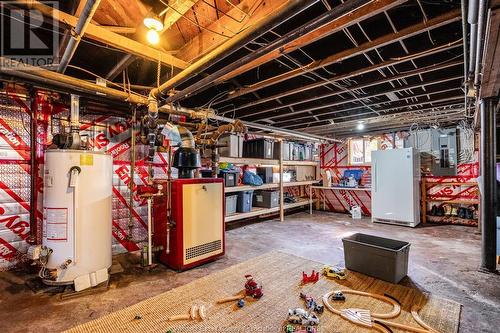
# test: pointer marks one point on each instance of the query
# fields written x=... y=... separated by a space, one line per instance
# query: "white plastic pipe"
x=150 y=243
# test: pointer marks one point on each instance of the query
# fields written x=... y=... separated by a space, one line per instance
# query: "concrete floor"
x=443 y=261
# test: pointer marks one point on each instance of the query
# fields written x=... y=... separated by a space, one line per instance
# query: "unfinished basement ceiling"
x=398 y=63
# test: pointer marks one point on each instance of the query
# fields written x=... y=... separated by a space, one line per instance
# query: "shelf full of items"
x=450 y=210
x=278 y=164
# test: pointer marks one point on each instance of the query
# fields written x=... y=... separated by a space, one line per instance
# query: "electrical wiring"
x=466 y=132
x=428 y=51
x=107 y=81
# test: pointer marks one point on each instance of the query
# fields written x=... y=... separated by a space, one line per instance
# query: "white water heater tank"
x=77 y=217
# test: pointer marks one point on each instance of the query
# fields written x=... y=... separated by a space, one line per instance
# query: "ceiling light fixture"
x=153 y=22
x=360 y=126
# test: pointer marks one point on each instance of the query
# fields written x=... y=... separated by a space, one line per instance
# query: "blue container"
x=356 y=173
x=244 y=203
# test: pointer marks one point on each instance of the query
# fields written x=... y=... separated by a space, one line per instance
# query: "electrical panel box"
x=444 y=147
x=438 y=150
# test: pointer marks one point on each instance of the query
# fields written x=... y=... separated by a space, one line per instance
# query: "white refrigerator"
x=396 y=186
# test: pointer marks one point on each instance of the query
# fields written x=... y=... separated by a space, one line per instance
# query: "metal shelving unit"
x=258 y=211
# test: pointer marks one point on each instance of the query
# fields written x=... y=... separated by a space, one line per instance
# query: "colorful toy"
x=335 y=272
x=289 y=329
x=252 y=288
x=314 y=277
x=302 y=317
x=194 y=312
x=311 y=304
x=241 y=303
x=338 y=296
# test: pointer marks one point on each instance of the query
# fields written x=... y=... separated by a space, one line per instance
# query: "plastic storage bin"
x=266 y=199
x=230 y=178
x=231 y=201
x=206 y=173
x=287 y=151
x=234 y=145
x=266 y=173
x=244 y=204
x=258 y=148
x=382 y=258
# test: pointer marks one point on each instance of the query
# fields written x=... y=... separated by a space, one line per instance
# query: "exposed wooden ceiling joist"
x=373 y=68
x=358 y=87
x=413 y=30
x=105 y=36
x=371 y=9
x=446 y=101
x=332 y=111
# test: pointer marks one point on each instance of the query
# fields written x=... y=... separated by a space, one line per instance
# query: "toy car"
x=300 y=316
x=252 y=288
x=338 y=296
x=311 y=304
x=334 y=272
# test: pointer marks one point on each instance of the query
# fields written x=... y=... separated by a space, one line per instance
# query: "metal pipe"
x=290 y=9
x=487 y=217
x=16 y=69
x=37 y=74
x=465 y=46
x=124 y=62
x=150 y=241
x=483 y=7
x=131 y=184
x=472 y=20
x=282 y=131
x=76 y=34
x=329 y=16
x=34 y=171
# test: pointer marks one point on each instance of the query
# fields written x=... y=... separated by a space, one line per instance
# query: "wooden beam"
x=490 y=82
x=404 y=75
x=175 y=11
x=449 y=98
x=361 y=13
x=247 y=13
x=115 y=40
x=330 y=110
x=361 y=71
x=120 y=30
x=413 y=30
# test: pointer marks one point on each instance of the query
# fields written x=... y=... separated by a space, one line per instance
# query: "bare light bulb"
x=153 y=37
x=360 y=126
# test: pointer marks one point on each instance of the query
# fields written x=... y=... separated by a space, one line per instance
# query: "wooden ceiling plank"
x=115 y=40
x=361 y=13
x=175 y=11
x=246 y=14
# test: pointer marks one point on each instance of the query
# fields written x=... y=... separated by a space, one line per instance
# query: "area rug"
x=280 y=274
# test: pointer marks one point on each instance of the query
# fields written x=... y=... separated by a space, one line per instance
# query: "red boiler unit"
x=195 y=234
